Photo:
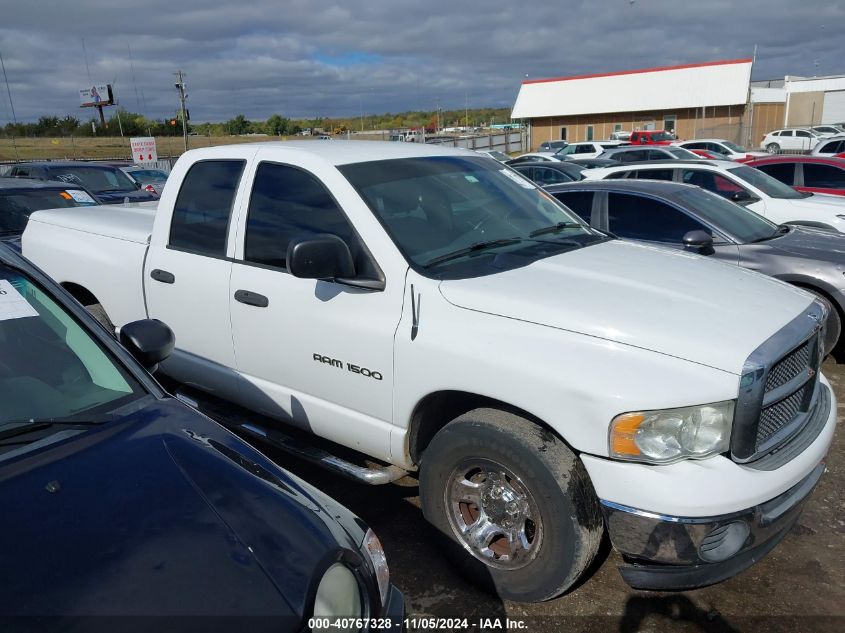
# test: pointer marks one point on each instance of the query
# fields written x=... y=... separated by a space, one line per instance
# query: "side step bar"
x=374 y=476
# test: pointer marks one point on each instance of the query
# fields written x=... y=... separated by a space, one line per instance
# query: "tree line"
x=122 y=122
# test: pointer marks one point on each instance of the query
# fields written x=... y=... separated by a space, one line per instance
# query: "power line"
x=134 y=83
x=85 y=55
x=11 y=105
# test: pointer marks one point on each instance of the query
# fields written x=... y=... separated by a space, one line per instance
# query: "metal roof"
x=686 y=86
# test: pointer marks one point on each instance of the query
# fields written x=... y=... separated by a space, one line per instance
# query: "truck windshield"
x=51 y=367
x=436 y=206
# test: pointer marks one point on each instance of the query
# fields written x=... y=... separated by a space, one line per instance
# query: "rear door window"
x=785 y=172
x=823 y=176
x=581 y=202
x=639 y=218
x=711 y=181
x=200 y=220
x=653 y=174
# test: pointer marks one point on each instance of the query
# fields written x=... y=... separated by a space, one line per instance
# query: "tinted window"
x=656 y=154
x=16 y=206
x=823 y=176
x=626 y=157
x=287 y=203
x=545 y=176
x=741 y=223
x=201 y=215
x=802 y=134
x=765 y=183
x=585 y=149
x=653 y=174
x=785 y=172
x=638 y=218
x=711 y=181
x=697 y=145
x=579 y=201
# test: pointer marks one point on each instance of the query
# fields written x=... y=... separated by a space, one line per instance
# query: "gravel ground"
x=800 y=586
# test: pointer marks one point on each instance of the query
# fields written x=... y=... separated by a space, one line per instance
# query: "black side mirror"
x=740 y=196
x=150 y=341
x=699 y=241
x=321 y=256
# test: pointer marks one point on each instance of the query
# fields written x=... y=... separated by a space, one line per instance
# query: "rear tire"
x=773 y=148
x=515 y=506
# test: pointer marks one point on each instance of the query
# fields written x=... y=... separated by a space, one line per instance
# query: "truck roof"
x=340 y=152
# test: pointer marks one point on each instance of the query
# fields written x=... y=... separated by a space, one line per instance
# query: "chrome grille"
x=780 y=414
x=789 y=367
x=778 y=389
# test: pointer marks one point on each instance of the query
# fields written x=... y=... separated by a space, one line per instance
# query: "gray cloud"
x=305 y=58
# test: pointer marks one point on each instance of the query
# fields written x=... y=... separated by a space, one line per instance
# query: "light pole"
x=180 y=86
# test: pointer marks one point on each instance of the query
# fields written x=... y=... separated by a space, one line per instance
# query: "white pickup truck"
x=432 y=309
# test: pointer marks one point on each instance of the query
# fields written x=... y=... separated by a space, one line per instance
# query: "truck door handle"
x=163 y=276
x=251 y=298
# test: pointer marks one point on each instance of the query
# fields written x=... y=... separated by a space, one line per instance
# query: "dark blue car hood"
x=164 y=513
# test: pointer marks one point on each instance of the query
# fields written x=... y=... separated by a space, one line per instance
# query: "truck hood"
x=662 y=300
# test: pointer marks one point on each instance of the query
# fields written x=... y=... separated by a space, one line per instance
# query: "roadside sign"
x=143 y=149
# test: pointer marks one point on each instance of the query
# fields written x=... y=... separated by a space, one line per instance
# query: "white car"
x=442 y=314
x=535 y=156
x=744 y=185
x=495 y=154
x=588 y=149
x=830 y=146
x=790 y=139
x=828 y=130
x=720 y=147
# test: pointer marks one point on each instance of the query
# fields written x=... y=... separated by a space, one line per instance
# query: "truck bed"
x=130 y=222
x=97 y=251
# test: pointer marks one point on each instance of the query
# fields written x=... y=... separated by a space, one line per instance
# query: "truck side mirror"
x=699 y=241
x=149 y=341
x=322 y=256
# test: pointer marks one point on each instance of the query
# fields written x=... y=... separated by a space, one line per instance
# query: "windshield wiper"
x=28 y=426
x=554 y=228
x=472 y=248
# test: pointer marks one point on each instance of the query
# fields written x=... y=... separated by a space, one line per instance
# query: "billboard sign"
x=143 y=149
x=98 y=95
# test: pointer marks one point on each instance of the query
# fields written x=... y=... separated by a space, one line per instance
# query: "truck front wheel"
x=514 y=504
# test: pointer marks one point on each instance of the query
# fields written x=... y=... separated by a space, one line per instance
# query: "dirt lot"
x=800 y=586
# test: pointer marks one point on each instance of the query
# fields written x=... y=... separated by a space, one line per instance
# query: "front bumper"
x=393 y=614
x=675 y=553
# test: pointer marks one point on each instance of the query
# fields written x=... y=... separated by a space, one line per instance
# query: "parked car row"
x=437 y=313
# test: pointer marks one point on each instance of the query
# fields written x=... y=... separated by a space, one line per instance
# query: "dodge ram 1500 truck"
x=434 y=310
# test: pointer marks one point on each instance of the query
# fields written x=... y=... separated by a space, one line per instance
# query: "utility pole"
x=180 y=86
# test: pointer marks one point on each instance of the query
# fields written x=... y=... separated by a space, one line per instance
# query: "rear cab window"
x=200 y=221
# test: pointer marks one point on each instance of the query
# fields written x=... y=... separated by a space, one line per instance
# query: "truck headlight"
x=338 y=595
x=375 y=552
x=669 y=435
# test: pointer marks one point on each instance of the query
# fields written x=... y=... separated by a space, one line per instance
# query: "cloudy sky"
x=309 y=58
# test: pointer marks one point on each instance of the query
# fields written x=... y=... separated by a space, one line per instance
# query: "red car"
x=652 y=137
x=816 y=174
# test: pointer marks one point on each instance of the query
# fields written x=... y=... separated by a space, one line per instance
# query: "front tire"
x=515 y=506
x=773 y=148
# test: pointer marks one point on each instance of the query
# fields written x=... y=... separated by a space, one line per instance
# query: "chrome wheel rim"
x=493 y=514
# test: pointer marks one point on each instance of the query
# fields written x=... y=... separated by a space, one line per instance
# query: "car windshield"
x=743 y=224
x=16 y=205
x=437 y=206
x=97 y=179
x=662 y=136
x=683 y=154
x=500 y=156
x=148 y=174
x=765 y=183
x=51 y=367
x=739 y=149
